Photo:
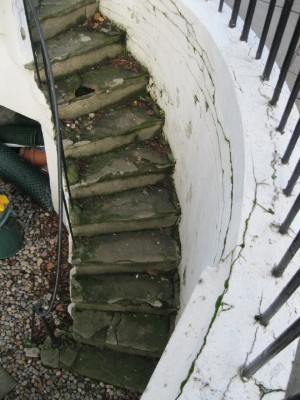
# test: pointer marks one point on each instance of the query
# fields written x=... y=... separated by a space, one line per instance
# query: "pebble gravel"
x=24 y=280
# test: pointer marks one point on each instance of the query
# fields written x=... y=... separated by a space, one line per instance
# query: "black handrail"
x=38 y=309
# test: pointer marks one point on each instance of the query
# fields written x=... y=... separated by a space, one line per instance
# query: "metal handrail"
x=38 y=309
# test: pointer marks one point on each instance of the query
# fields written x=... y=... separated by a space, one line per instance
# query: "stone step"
x=145 y=251
x=128 y=168
x=57 y=16
x=123 y=370
x=108 y=131
x=140 y=209
x=74 y=50
x=98 y=88
x=126 y=290
x=141 y=334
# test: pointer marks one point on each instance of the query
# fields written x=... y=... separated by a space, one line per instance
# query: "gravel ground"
x=26 y=279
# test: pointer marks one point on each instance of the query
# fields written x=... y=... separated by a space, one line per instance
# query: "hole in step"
x=83 y=91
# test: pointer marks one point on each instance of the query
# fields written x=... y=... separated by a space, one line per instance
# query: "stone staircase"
x=124 y=285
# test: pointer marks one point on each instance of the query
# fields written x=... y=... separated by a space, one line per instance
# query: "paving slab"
x=137 y=333
x=97 y=89
x=127 y=252
x=57 y=16
x=109 y=130
x=129 y=289
x=144 y=208
x=76 y=49
x=123 y=370
x=54 y=8
x=7 y=383
x=131 y=167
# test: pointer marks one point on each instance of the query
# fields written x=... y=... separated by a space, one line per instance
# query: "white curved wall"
x=194 y=87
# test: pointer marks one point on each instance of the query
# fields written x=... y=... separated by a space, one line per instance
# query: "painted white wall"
x=190 y=52
x=193 y=85
x=19 y=91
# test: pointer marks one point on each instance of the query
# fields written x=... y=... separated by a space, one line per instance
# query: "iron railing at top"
x=38 y=309
x=293 y=331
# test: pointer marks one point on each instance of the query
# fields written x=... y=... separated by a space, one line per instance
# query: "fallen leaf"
x=152 y=272
x=98 y=17
x=50 y=266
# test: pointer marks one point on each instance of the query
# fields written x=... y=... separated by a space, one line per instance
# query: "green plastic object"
x=26 y=177
x=22 y=135
x=11 y=236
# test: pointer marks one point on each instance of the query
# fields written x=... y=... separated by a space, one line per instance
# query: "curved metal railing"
x=293 y=331
x=38 y=309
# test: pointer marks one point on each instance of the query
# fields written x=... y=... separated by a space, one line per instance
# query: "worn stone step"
x=137 y=333
x=74 y=50
x=145 y=251
x=57 y=16
x=140 y=209
x=107 y=131
x=153 y=291
x=97 y=88
x=118 y=307
x=124 y=169
x=123 y=370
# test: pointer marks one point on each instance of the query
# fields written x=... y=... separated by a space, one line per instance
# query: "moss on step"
x=74 y=50
x=130 y=167
x=150 y=251
x=54 y=8
x=124 y=370
x=96 y=89
x=133 y=333
x=108 y=131
x=57 y=16
x=127 y=211
x=157 y=291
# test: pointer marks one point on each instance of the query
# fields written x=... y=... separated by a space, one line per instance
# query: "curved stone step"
x=74 y=50
x=145 y=251
x=96 y=89
x=136 y=290
x=138 y=333
x=124 y=370
x=57 y=16
x=133 y=210
x=108 y=131
x=128 y=168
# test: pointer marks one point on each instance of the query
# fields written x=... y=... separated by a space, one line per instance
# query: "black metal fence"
x=293 y=331
x=32 y=20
